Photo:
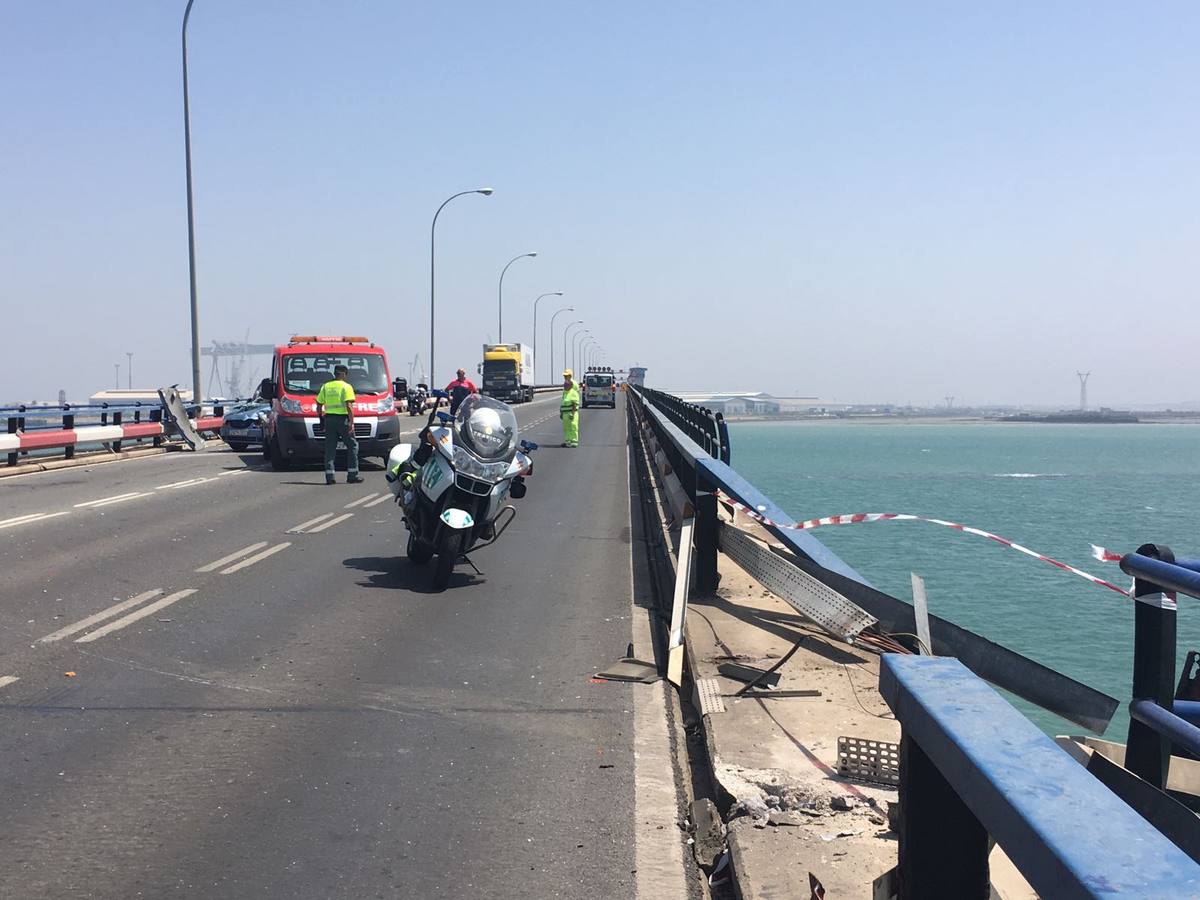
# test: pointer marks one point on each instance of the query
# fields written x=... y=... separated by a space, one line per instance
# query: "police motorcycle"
x=417 y=398
x=453 y=485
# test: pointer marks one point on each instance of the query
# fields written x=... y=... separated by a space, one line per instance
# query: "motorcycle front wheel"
x=447 y=556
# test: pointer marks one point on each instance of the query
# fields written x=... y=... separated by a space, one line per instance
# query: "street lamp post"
x=535 y=306
x=577 y=339
x=129 y=369
x=500 y=323
x=552 y=318
x=565 y=330
x=583 y=347
x=487 y=192
x=191 y=219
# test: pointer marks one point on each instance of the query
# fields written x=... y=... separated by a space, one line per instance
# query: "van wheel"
x=237 y=446
x=279 y=462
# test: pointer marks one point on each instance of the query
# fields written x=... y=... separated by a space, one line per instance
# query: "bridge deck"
x=315 y=722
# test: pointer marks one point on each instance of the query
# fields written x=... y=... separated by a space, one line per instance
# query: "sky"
x=857 y=202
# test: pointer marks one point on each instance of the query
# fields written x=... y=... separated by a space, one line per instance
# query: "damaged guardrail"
x=29 y=427
x=702 y=476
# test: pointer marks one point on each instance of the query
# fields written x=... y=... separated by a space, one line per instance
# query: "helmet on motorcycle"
x=486 y=427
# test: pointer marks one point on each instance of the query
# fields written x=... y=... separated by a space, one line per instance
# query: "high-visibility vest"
x=334 y=396
x=570 y=400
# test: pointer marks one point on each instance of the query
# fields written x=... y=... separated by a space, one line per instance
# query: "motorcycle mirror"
x=438 y=392
x=528 y=446
x=444 y=417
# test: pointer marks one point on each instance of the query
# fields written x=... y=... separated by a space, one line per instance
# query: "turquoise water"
x=1053 y=488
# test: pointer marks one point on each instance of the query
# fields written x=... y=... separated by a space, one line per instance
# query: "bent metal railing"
x=957 y=744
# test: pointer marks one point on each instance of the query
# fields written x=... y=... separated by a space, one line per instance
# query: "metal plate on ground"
x=875 y=761
x=709 y=692
x=809 y=597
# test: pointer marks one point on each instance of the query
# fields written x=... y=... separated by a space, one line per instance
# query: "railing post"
x=156 y=416
x=723 y=431
x=68 y=423
x=1147 y=753
x=706 y=542
x=12 y=429
x=116 y=445
x=943 y=848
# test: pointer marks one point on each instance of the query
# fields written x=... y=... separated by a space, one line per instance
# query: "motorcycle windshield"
x=486 y=427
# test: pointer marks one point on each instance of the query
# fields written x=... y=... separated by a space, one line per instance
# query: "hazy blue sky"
x=875 y=202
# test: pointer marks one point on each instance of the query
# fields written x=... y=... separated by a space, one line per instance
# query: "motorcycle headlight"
x=288 y=405
x=386 y=405
x=487 y=433
x=467 y=464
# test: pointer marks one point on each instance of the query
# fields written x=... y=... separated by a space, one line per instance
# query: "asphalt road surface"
x=217 y=680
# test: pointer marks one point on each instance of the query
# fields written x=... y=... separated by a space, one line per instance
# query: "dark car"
x=244 y=425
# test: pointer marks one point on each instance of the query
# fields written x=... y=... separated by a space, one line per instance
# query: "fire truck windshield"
x=304 y=373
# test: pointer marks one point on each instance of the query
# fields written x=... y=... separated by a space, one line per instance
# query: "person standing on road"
x=460 y=389
x=568 y=410
x=335 y=409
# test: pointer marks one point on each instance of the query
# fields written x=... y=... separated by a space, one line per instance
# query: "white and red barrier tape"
x=92 y=434
x=858 y=518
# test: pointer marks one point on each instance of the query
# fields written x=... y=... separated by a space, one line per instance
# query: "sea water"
x=1055 y=489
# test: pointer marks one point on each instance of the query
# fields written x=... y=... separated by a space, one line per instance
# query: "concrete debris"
x=843 y=802
x=708 y=831
x=756 y=792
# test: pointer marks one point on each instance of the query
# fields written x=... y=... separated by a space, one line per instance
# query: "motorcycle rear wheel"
x=417 y=552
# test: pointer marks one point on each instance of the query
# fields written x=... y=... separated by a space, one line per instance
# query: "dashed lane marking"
x=257 y=557
x=361 y=500
x=6 y=680
x=342 y=518
x=382 y=499
x=226 y=560
x=29 y=519
x=108 y=501
x=113 y=610
x=128 y=620
x=191 y=482
x=299 y=529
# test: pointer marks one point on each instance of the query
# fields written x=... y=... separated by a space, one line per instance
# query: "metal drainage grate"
x=808 y=596
x=711 y=701
x=875 y=761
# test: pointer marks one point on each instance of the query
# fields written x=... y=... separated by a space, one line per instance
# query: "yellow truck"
x=507 y=372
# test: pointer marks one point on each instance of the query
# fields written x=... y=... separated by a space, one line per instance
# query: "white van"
x=599 y=389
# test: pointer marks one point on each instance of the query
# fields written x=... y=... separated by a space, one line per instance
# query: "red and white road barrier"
x=858 y=518
x=93 y=434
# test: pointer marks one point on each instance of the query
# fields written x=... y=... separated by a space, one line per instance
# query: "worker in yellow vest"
x=335 y=409
x=568 y=410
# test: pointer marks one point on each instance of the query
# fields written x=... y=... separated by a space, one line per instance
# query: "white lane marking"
x=342 y=518
x=257 y=557
x=125 y=621
x=299 y=529
x=6 y=680
x=100 y=616
x=237 y=472
x=382 y=499
x=226 y=560
x=109 y=501
x=28 y=520
x=182 y=484
x=361 y=500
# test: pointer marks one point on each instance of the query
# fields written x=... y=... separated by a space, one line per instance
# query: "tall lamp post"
x=500 y=323
x=577 y=339
x=565 y=330
x=584 y=346
x=535 y=356
x=191 y=219
x=487 y=192
x=552 y=318
x=129 y=369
